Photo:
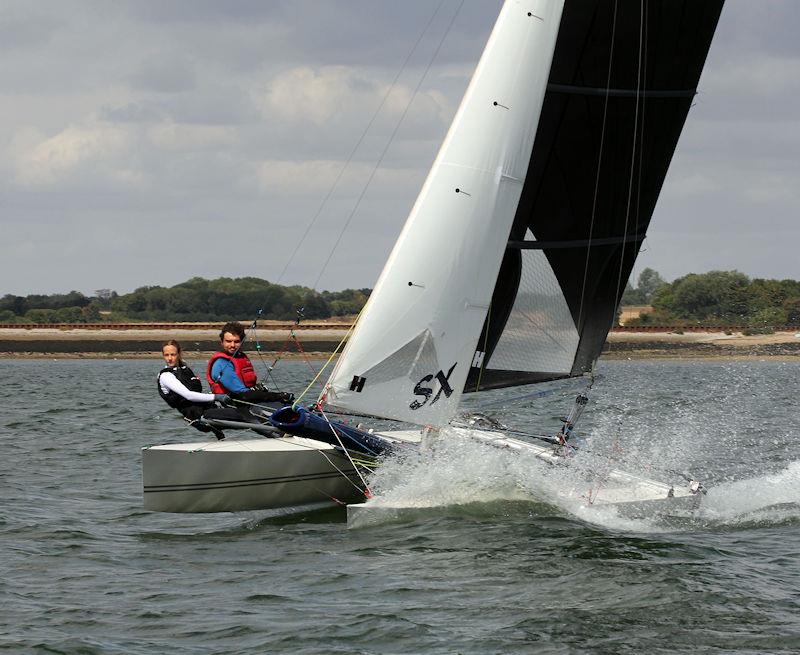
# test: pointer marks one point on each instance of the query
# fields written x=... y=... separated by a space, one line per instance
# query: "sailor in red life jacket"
x=230 y=371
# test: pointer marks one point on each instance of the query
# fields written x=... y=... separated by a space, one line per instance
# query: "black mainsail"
x=623 y=77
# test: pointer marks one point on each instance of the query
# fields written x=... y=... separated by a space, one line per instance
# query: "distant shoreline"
x=38 y=343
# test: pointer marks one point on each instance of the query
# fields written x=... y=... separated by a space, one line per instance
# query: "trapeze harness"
x=191 y=410
x=242 y=366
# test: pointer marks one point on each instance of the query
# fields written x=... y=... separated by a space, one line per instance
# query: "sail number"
x=425 y=392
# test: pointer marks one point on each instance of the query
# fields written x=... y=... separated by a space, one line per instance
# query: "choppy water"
x=86 y=570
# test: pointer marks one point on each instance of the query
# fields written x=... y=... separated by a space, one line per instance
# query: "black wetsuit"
x=191 y=410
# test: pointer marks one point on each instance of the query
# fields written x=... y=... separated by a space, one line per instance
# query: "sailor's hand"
x=222 y=398
x=287 y=398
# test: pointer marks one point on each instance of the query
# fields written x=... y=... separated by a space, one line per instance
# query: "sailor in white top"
x=181 y=389
x=168 y=382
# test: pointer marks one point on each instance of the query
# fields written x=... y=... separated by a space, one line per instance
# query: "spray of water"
x=729 y=426
x=771 y=498
x=459 y=471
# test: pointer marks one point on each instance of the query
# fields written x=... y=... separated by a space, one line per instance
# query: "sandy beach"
x=701 y=345
x=320 y=342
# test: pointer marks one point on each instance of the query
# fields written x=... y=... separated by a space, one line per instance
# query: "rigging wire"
x=367 y=493
x=359 y=142
x=597 y=180
x=346 y=451
x=322 y=397
x=641 y=149
x=254 y=335
x=599 y=162
x=341 y=343
x=388 y=144
x=342 y=473
x=635 y=150
x=537 y=394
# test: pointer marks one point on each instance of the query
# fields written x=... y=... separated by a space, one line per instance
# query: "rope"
x=365 y=490
x=341 y=445
x=505 y=430
x=346 y=451
x=342 y=473
x=267 y=367
x=291 y=338
x=346 y=336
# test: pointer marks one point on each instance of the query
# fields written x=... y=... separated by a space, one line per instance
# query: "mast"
x=411 y=351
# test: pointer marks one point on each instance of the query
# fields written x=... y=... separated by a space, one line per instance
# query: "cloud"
x=57 y=156
x=247 y=111
x=334 y=94
x=164 y=73
x=25 y=31
x=116 y=156
x=131 y=112
x=175 y=136
x=757 y=87
x=318 y=96
x=317 y=177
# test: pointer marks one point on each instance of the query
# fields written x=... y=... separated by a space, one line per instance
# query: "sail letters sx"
x=426 y=392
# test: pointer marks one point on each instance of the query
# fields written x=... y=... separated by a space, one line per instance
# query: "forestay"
x=410 y=353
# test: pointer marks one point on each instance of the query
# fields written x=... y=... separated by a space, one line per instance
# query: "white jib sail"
x=409 y=354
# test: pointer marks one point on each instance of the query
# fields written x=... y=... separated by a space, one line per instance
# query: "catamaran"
x=508 y=271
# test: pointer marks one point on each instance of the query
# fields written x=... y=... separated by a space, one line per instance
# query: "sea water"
x=489 y=560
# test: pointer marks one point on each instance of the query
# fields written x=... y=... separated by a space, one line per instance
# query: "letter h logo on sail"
x=477 y=361
x=357 y=384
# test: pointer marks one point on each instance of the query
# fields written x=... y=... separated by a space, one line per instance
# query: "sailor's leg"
x=198 y=424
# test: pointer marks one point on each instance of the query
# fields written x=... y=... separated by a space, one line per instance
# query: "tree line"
x=715 y=298
x=197 y=299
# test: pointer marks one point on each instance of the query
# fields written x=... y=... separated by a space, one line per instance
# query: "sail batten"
x=572 y=89
x=574 y=243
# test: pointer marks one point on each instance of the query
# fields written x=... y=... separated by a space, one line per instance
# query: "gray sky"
x=144 y=143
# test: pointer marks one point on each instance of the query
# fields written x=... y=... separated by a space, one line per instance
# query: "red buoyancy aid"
x=242 y=366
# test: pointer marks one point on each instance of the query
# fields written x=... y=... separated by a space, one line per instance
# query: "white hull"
x=270 y=473
x=245 y=474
